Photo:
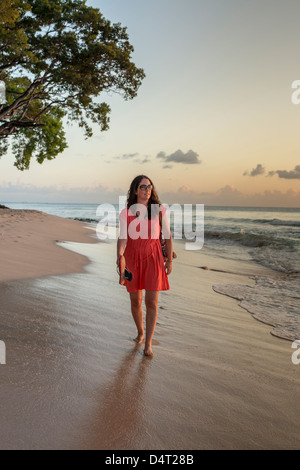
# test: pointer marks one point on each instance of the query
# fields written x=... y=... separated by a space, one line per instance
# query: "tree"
x=9 y=11
x=56 y=58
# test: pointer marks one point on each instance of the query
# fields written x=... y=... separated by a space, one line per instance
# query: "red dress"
x=143 y=253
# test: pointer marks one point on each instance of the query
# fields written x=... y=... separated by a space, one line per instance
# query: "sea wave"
x=284 y=261
x=249 y=239
x=278 y=222
x=85 y=219
x=271 y=301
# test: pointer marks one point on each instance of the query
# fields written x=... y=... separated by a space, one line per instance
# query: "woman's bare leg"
x=151 y=301
x=136 y=299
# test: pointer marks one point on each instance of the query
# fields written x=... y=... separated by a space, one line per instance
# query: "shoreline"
x=29 y=244
x=75 y=380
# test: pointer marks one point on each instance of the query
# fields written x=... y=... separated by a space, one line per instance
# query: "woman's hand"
x=168 y=267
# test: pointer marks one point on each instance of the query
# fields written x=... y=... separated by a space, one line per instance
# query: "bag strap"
x=161 y=235
x=160 y=223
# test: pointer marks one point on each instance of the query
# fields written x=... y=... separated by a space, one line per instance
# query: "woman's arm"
x=169 y=245
x=122 y=240
x=121 y=245
x=169 y=242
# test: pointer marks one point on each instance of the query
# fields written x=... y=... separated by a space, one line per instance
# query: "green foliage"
x=57 y=58
x=10 y=11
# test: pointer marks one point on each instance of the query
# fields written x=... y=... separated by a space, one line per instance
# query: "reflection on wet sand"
x=120 y=418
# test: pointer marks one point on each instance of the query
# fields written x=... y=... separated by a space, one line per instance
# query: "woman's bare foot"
x=148 y=352
x=139 y=339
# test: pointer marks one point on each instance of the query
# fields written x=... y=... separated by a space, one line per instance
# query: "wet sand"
x=74 y=378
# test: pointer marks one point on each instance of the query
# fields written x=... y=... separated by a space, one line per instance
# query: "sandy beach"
x=74 y=379
x=28 y=244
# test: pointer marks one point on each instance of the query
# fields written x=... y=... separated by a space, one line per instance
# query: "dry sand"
x=28 y=246
x=74 y=379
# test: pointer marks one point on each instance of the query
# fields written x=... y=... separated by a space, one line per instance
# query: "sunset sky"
x=213 y=122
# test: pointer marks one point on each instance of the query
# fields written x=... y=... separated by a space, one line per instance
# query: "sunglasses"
x=144 y=187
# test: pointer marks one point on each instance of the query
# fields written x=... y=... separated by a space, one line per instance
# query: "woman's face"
x=144 y=191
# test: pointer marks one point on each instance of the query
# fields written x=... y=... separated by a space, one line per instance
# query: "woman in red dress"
x=139 y=243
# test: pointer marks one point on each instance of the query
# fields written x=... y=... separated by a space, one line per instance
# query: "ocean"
x=266 y=236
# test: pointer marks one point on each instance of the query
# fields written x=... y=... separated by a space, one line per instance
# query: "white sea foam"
x=285 y=261
x=275 y=302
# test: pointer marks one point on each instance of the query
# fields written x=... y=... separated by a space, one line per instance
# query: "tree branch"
x=15 y=104
x=10 y=127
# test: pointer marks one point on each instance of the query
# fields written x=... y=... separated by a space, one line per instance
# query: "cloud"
x=96 y=194
x=289 y=175
x=259 y=170
x=126 y=156
x=184 y=189
x=231 y=196
x=131 y=156
x=141 y=161
x=188 y=158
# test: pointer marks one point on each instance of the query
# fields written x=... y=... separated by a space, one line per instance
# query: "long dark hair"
x=132 y=197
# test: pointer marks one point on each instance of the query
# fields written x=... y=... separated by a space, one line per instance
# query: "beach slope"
x=28 y=247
